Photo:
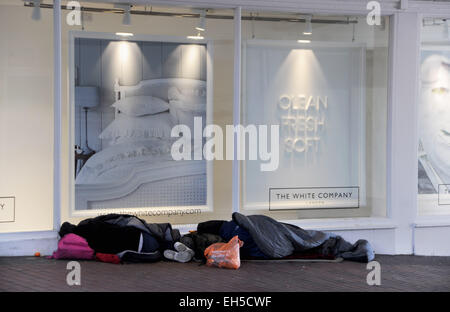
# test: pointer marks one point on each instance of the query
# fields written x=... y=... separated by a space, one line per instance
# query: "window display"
x=321 y=126
x=434 y=130
x=323 y=81
x=142 y=90
x=434 y=119
x=126 y=87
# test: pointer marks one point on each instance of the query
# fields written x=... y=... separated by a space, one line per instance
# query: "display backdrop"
x=129 y=94
x=434 y=129
x=315 y=93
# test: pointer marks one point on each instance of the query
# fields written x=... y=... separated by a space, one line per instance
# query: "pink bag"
x=72 y=246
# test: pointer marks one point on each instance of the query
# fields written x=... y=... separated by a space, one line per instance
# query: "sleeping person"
x=130 y=238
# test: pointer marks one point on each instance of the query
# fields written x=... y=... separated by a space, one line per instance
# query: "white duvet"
x=114 y=163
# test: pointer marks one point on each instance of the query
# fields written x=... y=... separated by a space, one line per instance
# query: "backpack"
x=72 y=246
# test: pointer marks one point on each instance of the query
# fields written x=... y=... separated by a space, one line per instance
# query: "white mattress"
x=140 y=174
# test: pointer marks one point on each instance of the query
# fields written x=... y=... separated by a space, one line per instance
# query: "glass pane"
x=434 y=119
x=26 y=118
x=132 y=79
x=322 y=80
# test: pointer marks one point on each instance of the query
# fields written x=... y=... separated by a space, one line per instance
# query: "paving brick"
x=398 y=273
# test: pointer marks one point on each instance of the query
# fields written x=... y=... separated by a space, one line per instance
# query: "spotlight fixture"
x=36 y=15
x=447 y=29
x=126 y=13
x=197 y=37
x=308 y=29
x=303 y=41
x=124 y=34
x=202 y=21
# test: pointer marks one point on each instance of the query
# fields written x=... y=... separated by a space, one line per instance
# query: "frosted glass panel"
x=325 y=85
x=314 y=93
x=434 y=120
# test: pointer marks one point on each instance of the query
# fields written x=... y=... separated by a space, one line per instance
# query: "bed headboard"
x=160 y=88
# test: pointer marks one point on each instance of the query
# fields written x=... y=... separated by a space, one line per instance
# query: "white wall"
x=26 y=117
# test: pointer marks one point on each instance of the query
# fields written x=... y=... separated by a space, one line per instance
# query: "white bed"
x=138 y=172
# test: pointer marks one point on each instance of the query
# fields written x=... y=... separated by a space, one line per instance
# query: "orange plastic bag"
x=224 y=255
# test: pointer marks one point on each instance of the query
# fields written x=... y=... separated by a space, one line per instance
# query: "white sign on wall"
x=316 y=94
x=7 y=209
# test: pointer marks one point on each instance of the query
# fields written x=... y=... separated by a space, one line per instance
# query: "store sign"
x=302 y=121
x=7 y=209
x=313 y=198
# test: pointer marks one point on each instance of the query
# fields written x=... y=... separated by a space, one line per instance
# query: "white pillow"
x=184 y=114
x=126 y=128
x=141 y=105
x=190 y=98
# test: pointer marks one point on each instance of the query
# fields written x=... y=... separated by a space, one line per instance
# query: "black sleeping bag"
x=278 y=240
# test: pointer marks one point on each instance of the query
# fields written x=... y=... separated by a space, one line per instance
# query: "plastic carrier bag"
x=224 y=255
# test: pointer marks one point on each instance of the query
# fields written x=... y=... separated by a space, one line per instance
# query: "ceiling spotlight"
x=303 y=41
x=308 y=29
x=447 y=29
x=126 y=12
x=127 y=15
x=197 y=37
x=202 y=21
x=36 y=15
x=124 y=34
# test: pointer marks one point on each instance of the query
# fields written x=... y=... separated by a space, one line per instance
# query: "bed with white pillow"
x=136 y=169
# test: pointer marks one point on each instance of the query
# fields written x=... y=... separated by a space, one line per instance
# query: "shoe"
x=180 y=247
x=181 y=256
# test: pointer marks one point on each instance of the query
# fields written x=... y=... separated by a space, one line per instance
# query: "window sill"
x=432 y=221
x=342 y=224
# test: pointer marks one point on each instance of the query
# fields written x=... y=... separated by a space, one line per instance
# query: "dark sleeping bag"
x=249 y=250
x=278 y=240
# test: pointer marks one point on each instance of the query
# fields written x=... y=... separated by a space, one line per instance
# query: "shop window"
x=133 y=77
x=323 y=82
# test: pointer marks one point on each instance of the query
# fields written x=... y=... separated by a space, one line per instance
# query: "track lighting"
x=36 y=15
x=447 y=29
x=308 y=29
x=201 y=26
x=126 y=13
x=202 y=21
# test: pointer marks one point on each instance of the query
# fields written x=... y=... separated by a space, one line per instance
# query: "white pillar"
x=402 y=123
x=56 y=114
x=237 y=107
